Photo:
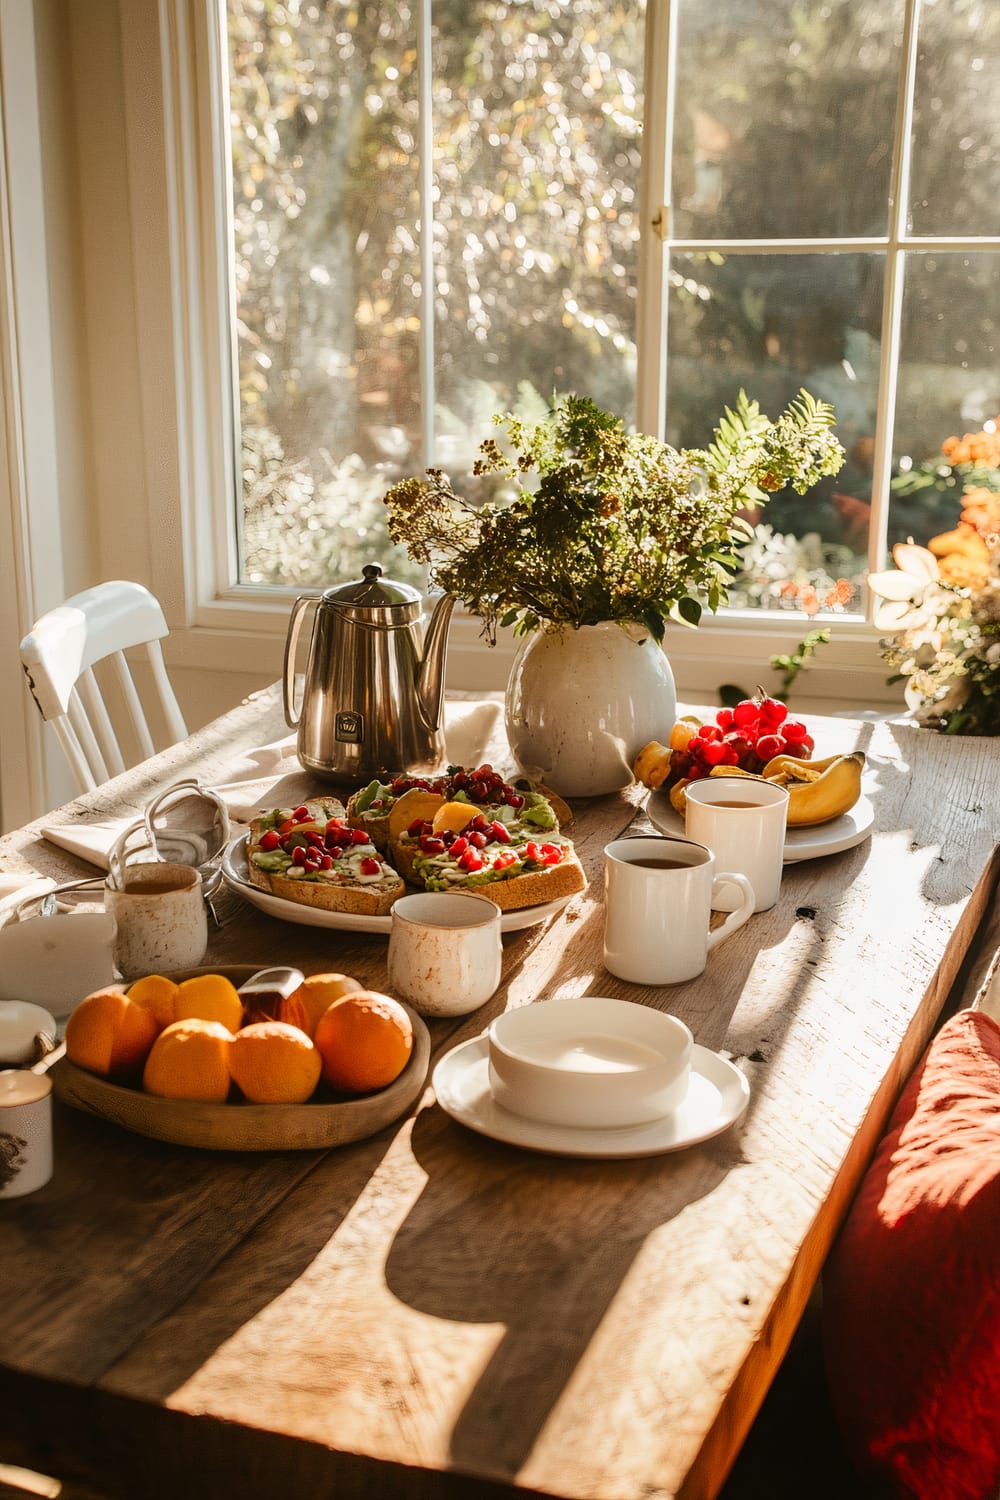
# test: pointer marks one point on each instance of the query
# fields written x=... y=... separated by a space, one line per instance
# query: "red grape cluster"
x=747 y=737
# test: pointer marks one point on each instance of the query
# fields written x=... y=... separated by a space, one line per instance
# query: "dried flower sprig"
x=619 y=527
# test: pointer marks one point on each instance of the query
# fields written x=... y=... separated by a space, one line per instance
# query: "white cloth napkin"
x=271 y=776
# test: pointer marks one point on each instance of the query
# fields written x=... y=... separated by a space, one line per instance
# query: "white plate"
x=234 y=873
x=717 y=1096
x=845 y=832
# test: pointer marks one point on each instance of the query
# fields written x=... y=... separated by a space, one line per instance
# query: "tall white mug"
x=743 y=822
x=445 y=952
x=658 y=899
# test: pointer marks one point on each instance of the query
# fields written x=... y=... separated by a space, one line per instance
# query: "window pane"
x=323 y=126
x=538 y=113
x=536 y=126
x=955 y=174
x=771 y=325
x=949 y=383
x=784 y=121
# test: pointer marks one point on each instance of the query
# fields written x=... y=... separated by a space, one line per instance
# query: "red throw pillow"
x=912 y=1287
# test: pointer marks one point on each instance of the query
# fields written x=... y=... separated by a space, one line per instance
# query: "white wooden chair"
x=59 y=654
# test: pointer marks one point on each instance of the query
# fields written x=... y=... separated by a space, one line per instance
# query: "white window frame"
x=181 y=250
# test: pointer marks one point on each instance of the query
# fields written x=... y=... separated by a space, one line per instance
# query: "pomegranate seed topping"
x=326 y=861
x=478 y=840
x=416 y=827
x=370 y=866
x=552 y=849
x=358 y=836
x=336 y=852
x=471 y=861
x=298 y=855
x=531 y=850
x=508 y=857
x=431 y=845
x=552 y=859
x=500 y=832
x=459 y=846
x=270 y=840
x=515 y=801
x=302 y=815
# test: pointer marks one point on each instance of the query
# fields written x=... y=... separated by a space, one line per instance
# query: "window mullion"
x=655 y=215
x=892 y=310
x=425 y=148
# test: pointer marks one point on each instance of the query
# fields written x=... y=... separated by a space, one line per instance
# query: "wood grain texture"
x=429 y=1313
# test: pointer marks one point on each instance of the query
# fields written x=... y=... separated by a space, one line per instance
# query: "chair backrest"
x=59 y=654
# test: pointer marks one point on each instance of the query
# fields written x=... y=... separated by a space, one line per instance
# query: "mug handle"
x=736 y=918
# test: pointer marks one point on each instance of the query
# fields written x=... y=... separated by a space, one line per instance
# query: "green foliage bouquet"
x=619 y=526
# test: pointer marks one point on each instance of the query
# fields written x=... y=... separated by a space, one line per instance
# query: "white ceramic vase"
x=582 y=703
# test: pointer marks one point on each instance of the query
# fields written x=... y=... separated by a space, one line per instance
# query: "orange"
x=365 y=1040
x=274 y=1063
x=190 y=1060
x=319 y=991
x=110 y=1034
x=454 y=815
x=158 y=995
x=209 y=997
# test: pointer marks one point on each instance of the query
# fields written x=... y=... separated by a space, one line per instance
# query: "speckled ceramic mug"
x=160 y=921
x=444 y=952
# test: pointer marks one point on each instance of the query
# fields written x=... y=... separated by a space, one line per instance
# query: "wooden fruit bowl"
x=322 y=1122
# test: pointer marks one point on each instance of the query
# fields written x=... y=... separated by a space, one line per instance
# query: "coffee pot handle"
x=291 y=642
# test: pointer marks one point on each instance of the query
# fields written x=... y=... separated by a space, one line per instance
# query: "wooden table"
x=431 y=1313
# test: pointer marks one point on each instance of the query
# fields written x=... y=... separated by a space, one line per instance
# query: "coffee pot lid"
x=375 y=593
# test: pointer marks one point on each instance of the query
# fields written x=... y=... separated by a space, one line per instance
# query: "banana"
x=832 y=792
x=795 y=766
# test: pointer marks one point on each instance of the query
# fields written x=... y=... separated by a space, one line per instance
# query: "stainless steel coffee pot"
x=373 y=696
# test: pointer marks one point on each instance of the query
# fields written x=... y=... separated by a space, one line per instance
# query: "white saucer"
x=717 y=1097
x=851 y=828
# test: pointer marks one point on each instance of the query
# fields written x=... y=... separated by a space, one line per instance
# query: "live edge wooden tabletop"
x=429 y=1312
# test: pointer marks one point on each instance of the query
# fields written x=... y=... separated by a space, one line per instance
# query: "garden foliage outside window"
x=370 y=343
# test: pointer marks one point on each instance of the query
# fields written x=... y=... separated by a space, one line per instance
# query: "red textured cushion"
x=912 y=1288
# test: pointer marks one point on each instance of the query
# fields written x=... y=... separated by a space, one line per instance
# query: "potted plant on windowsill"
x=620 y=534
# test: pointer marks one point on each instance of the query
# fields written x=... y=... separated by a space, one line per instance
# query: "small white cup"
x=160 y=921
x=743 y=823
x=25 y=1132
x=444 y=952
x=589 y=1062
x=658 y=899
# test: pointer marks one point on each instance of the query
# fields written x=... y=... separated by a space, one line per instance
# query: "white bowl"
x=589 y=1062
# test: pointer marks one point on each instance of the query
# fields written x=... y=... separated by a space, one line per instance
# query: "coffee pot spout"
x=430 y=683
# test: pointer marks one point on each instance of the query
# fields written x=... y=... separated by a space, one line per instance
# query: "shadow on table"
x=483 y=1245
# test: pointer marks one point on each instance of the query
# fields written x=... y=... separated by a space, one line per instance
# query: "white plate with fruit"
x=827 y=812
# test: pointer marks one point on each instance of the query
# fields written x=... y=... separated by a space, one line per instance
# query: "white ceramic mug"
x=743 y=823
x=25 y=1132
x=444 y=952
x=160 y=921
x=658 y=899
